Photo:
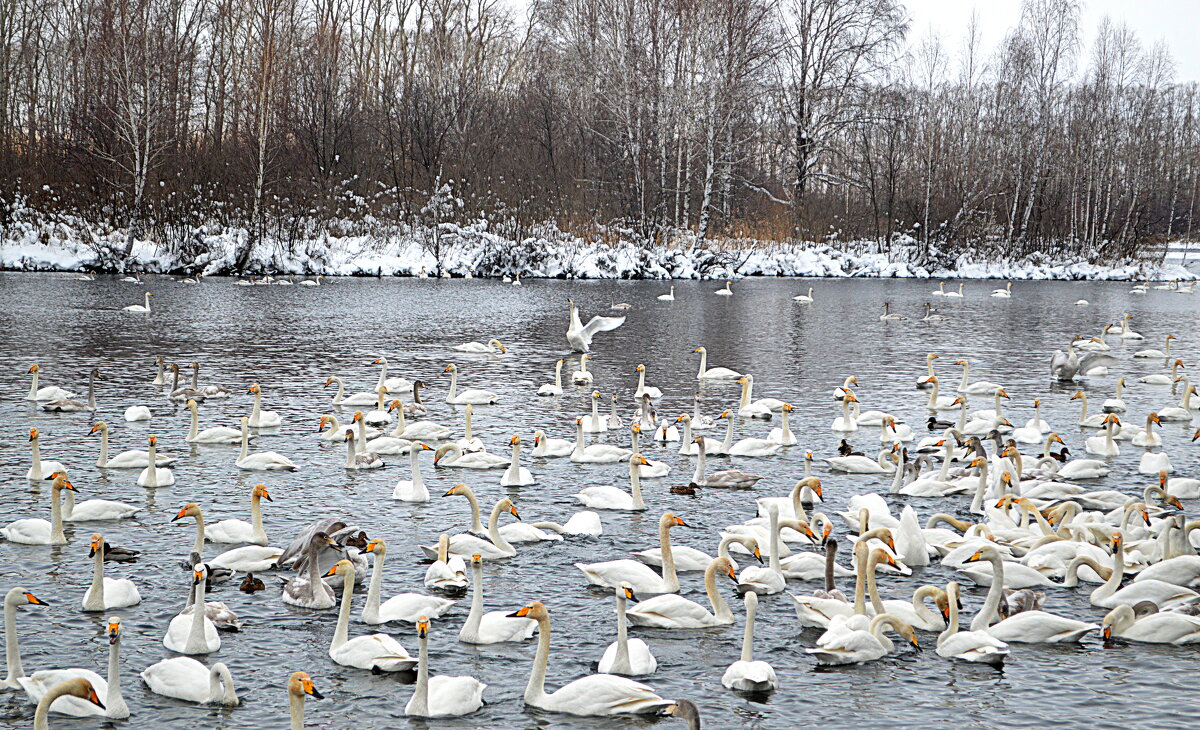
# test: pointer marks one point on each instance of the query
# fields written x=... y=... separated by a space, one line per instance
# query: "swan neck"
x=635 y=485
x=12 y=652
x=56 y=528
x=360 y=443
x=33 y=386
x=454 y=391
x=773 y=522
x=476 y=525
x=748 y=636
x=254 y=415
x=536 y=688
x=371 y=609
x=198 y=546
x=193 y=430
x=991 y=606
x=415 y=463
x=494 y=530
x=256 y=518
x=698 y=475
x=703 y=365
x=114 y=675
x=91 y=399
x=351 y=450
x=622 y=662
x=342 y=631
x=952 y=626
x=476 y=615
x=670 y=577
x=41 y=716
x=860 y=585
x=246 y=441
x=419 y=704
x=296 y=710
x=716 y=600
x=727 y=444
x=830 y=560
x=37 y=459
x=95 y=600
x=196 y=638
x=872 y=588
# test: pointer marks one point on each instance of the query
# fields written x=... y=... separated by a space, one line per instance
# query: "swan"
x=377 y=416
x=630 y=657
x=493 y=627
x=1162 y=354
x=726 y=292
x=956 y=294
x=426 y=430
x=689 y=559
x=40 y=470
x=846 y=422
x=94 y=510
x=213 y=435
x=1126 y=333
x=707 y=373
x=668 y=297
x=495 y=546
x=260 y=460
x=1005 y=293
x=308 y=588
x=804 y=298
x=863 y=645
x=615 y=498
x=642 y=388
x=240 y=531
x=732 y=478
x=413 y=490
x=594 y=423
x=1115 y=404
x=38 y=684
x=36 y=531
x=440 y=696
x=782 y=434
x=130 y=459
x=341 y=399
x=452 y=455
x=1104 y=445
x=472 y=396
x=863 y=465
x=448 y=573
x=769 y=579
x=184 y=678
x=613 y=422
x=140 y=308
x=750 y=408
x=821 y=608
x=45 y=393
x=550 y=448
x=591 y=695
x=78 y=687
x=1029 y=627
x=979 y=387
x=400 y=607
x=376 y=652
x=107 y=593
x=652 y=469
x=1163 y=378
x=469 y=442
x=754 y=447
x=1155 y=627
x=554 y=388
x=208 y=391
x=356 y=460
x=193 y=632
x=642 y=579
x=594 y=453
x=258 y=417
x=181 y=394
x=672 y=611
x=1182 y=412
x=582 y=376
x=1146 y=436
x=492 y=346
x=1154 y=463
x=12 y=653
x=1162 y=593
x=746 y=674
x=972 y=646
x=384 y=381
x=889 y=315
x=71 y=405
x=579 y=335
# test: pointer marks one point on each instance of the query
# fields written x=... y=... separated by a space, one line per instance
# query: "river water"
x=289 y=339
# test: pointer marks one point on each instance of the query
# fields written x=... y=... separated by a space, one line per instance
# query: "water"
x=289 y=339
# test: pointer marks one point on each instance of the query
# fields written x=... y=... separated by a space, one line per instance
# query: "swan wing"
x=1093 y=360
x=455 y=695
x=670 y=610
x=604 y=694
x=601 y=324
x=180 y=677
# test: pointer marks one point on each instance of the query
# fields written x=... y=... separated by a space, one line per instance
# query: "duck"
x=260 y=460
x=258 y=417
x=554 y=388
x=472 y=396
x=251 y=584
x=591 y=695
x=376 y=652
x=626 y=656
x=440 y=696
x=407 y=607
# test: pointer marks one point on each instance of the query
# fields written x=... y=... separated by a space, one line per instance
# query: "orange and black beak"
x=311 y=689
x=35 y=600
x=422 y=627
x=114 y=633
x=521 y=612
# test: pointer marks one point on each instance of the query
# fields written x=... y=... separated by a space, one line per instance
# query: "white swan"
x=493 y=627
x=1156 y=627
x=240 y=531
x=707 y=373
x=184 y=678
x=140 y=308
x=755 y=447
x=979 y=387
x=746 y=674
x=672 y=611
x=726 y=292
x=495 y=546
x=424 y=430
x=594 y=423
x=550 y=448
x=857 y=646
x=1029 y=627
x=591 y=695
x=582 y=376
x=554 y=388
x=107 y=593
x=492 y=346
x=260 y=460
x=95 y=510
x=45 y=393
x=39 y=469
x=341 y=399
x=1110 y=595
x=731 y=478
x=193 y=632
x=579 y=335
x=750 y=408
x=400 y=607
x=356 y=460
x=213 y=435
x=855 y=464
x=516 y=475
x=36 y=531
x=642 y=388
x=630 y=657
x=971 y=646
x=131 y=459
x=376 y=652
x=1005 y=293
x=957 y=294
x=38 y=684
x=804 y=298
x=615 y=498
x=413 y=489
x=473 y=396
x=136 y=413
x=639 y=575
x=595 y=453
x=448 y=573
x=668 y=297
x=386 y=382
x=78 y=687
x=258 y=417
x=782 y=434
x=16 y=596
x=452 y=455
x=440 y=696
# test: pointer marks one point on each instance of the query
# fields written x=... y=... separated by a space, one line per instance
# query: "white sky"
x=1175 y=21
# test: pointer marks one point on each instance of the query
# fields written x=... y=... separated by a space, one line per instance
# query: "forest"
x=715 y=122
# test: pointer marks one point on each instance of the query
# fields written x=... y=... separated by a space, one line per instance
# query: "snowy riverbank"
x=62 y=246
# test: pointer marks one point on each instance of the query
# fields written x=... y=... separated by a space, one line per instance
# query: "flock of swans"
x=1031 y=519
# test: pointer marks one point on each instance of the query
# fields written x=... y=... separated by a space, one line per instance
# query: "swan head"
x=636 y=428
x=349 y=434
x=1153 y=418
x=260 y=491
x=328 y=382
x=102 y=426
x=253 y=388
x=724 y=414
x=152 y=440
x=61 y=482
x=191 y=509
x=422 y=627
x=114 y=629
x=450 y=368
x=515 y=440
x=83 y=689
x=669 y=519
x=536 y=611
x=1078 y=395
x=506 y=504
x=301 y=684
x=96 y=545
x=358 y=416
x=1196 y=435
x=787 y=408
x=700 y=349
x=684 y=710
x=625 y=589
x=343 y=568
x=499 y=345
x=638 y=459
x=723 y=566
x=394 y=405
x=325 y=421
x=199 y=573
x=596 y=394
x=379 y=547
x=380 y=361
x=476 y=559
x=33 y=434
x=458 y=490
x=383 y=390
x=191 y=405
x=812 y=483
x=850 y=398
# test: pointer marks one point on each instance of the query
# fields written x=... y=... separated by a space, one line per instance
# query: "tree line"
x=655 y=120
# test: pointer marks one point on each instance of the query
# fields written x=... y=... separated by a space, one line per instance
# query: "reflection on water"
x=289 y=339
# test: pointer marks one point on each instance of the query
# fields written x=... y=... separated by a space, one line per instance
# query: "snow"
x=31 y=242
